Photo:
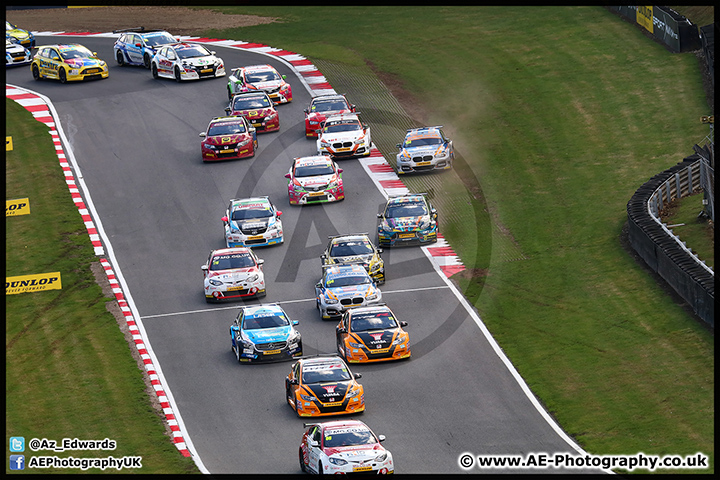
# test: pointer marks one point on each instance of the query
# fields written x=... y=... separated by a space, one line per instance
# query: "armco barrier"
x=663 y=252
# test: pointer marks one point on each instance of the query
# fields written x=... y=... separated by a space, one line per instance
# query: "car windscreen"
x=313 y=170
x=344 y=249
x=363 y=322
x=251 y=103
x=345 y=437
x=347 y=280
x=268 y=321
x=226 y=128
x=423 y=141
x=233 y=260
x=342 y=127
x=265 y=76
x=76 y=53
x=406 y=210
x=192 y=52
x=159 y=39
x=329 y=106
x=252 y=212
x=335 y=372
x=248 y=213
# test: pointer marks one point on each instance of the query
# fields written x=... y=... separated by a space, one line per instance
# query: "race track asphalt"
x=136 y=141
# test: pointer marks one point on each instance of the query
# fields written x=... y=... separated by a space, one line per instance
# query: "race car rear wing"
x=422 y=128
x=398 y=195
x=347 y=235
x=138 y=29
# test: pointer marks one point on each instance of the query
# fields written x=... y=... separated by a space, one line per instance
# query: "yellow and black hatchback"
x=67 y=63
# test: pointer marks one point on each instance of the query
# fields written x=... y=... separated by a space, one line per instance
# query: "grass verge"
x=69 y=373
x=561 y=114
x=683 y=217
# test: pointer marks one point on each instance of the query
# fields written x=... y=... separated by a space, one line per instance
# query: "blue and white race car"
x=137 y=46
x=19 y=35
x=407 y=220
x=264 y=333
x=425 y=149
x=252 y=222
x=16 y=54
x=343 y=287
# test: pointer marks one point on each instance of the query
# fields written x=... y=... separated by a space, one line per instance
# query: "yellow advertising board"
x=19 y=206
x=644 y=17
x=8 y=144
x=33 y=283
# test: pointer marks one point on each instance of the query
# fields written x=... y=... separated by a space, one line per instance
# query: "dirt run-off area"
x=176 y=20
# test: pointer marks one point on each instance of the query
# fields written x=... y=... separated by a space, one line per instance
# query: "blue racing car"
x=264 y=333
x=137 y=46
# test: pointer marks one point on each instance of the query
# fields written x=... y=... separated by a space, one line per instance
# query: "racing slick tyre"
x=120 y=59
x=320 y=470
x=237 y=353
x=153 y=68
x=36 y=72
x=178 y=78
x=302 y=463
x=146 y=60
x=62 y=75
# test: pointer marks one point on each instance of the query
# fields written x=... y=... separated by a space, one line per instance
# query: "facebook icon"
x=17 y=462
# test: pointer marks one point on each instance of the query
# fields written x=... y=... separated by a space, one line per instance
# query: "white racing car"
x=186 y=61
x=344 y=136
x=343 y=446
x=252 y=222
x=232 y=274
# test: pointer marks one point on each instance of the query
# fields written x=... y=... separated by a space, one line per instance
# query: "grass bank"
x=561 y=113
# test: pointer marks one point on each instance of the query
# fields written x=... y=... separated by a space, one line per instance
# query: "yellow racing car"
x=67 y=63
x=355 y=248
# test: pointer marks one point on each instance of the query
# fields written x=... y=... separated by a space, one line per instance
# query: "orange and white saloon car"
x=323 y=385
x=371 y=334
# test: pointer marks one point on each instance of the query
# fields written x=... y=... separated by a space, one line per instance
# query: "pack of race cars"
x=352 y=268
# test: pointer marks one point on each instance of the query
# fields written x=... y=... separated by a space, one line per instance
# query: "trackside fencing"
x=666 y=25
x=662 y=250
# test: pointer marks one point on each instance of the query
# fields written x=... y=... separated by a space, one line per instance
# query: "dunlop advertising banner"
x=644 y=17
x=19 y=206
x=33 y=283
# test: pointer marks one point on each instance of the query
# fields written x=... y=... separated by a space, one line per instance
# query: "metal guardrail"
x=663 y=251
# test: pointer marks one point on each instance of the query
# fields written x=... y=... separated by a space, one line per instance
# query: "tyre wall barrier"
x=663 y=251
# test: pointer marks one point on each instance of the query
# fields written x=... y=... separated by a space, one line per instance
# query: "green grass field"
x=559 y=114
x=69 y=372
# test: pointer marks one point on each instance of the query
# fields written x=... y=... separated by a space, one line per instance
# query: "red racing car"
x=228 y=137
x=258 y=110
x=322 y=107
